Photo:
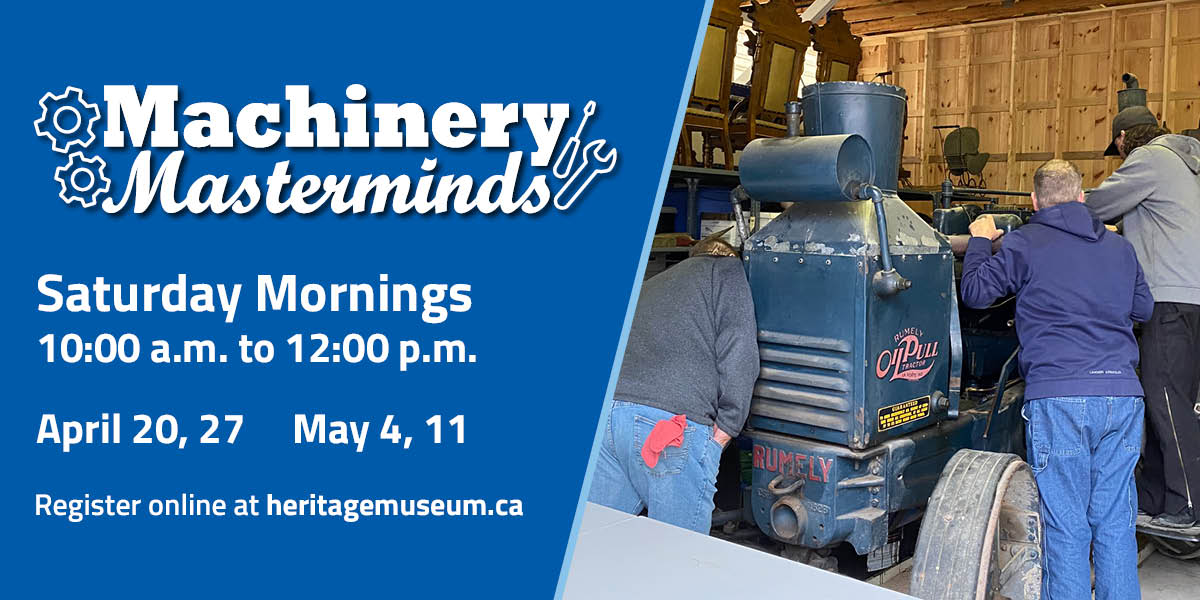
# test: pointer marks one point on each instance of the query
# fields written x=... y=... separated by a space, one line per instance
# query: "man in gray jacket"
x=683 y=392
x=1157 y=193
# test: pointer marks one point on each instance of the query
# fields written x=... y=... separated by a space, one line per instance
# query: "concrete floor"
x=1162 y=578
x=1165 y=578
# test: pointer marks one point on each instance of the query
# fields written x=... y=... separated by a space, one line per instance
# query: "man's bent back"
x=684 y=390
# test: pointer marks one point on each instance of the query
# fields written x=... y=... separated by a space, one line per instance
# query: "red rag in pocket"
x=668 y=432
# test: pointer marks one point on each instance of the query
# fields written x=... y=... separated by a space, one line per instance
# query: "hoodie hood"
x=1185 y=147
x=1072 y=217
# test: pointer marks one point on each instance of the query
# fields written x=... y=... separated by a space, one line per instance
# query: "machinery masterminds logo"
x=147 y=122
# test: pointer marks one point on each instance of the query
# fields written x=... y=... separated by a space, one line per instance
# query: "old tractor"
x=880 y=402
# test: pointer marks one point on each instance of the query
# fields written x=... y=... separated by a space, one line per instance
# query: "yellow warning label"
x=905 y=412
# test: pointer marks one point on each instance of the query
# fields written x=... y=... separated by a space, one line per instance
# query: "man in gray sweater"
x=683 y=392
x=1157 y=193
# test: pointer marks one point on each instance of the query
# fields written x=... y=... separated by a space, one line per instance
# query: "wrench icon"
x=566 y=157
x=598 y=164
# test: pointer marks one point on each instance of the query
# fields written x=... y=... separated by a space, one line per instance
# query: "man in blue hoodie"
x=1079 y=289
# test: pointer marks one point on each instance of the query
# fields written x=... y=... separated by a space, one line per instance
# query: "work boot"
x=1180 y=520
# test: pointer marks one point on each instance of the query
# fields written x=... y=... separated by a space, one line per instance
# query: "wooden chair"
x=781 y=41
x=839 y=50
x=708 y=107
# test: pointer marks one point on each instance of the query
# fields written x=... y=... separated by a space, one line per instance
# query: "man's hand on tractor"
x=985 y=227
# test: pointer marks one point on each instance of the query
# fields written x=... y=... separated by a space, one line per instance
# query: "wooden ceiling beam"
x=848 y=4
x=1020 y=8
x=914 y=8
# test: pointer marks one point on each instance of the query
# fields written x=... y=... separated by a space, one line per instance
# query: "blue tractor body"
x=860 y=402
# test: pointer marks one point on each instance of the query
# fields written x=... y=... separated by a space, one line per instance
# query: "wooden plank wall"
x=1040 y=87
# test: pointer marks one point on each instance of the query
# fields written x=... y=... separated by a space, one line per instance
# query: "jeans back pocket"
x=1054 y=428
x=672 y=459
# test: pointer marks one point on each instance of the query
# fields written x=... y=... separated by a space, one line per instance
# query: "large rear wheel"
x=981 y=538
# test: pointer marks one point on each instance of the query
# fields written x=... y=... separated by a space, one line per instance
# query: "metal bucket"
x=874 y=111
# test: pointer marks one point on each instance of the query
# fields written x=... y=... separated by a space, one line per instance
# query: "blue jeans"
x=1083 y=450
x=678 y=490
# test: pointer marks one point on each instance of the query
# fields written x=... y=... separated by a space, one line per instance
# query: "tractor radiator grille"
x=804 y=380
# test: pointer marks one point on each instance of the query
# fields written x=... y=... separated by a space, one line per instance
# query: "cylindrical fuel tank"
x=806 y=169
x=873 y=110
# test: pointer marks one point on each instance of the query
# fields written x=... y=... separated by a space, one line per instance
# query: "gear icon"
x=82 y=179
x=67 y=119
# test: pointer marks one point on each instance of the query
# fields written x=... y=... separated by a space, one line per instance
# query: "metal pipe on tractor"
x=795 y=121
x=1132 y=95
x=860 y=422
x=736 y=197
x=886 y=282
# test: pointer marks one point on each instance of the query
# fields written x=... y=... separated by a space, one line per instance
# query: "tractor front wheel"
x=981 y=537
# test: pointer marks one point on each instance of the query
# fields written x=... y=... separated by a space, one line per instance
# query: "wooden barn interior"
x=1037 y=79
x=991 y=90
x=1037 y=82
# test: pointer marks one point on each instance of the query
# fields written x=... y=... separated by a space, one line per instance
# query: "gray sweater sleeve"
x=736 y=344
x=1128 y=186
